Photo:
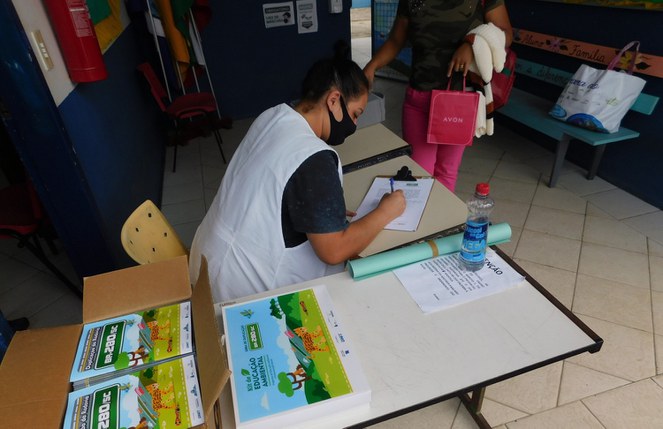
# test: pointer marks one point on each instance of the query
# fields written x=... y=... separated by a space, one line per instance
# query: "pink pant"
x=440 y=160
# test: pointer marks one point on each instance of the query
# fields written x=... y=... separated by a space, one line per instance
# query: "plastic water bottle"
x=473 y=249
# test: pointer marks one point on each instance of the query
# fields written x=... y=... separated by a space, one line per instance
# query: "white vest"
x=241 y=235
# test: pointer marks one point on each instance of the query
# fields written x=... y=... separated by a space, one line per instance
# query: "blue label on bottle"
x=473 y=248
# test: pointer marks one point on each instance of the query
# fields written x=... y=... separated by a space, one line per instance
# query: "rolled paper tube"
x=392 y=259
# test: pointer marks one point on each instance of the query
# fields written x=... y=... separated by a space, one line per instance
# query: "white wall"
x=33 y=17
x=32 y=14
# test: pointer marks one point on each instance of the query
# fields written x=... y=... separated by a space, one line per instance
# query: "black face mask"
x=338 y=131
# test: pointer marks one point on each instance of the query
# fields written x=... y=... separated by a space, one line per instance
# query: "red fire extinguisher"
x=78 y=42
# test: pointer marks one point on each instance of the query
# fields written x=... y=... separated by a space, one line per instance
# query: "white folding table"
x=369 y=146
x=413 y=360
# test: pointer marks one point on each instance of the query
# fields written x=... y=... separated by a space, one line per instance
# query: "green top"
x=435 y=30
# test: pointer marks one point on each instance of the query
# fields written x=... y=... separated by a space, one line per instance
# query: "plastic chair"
x=22 y=218
x=194 y=113
x=147 y=236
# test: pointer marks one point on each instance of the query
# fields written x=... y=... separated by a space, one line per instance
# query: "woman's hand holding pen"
x=393 y=204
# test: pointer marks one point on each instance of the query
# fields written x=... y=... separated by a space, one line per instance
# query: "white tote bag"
x=599 y=99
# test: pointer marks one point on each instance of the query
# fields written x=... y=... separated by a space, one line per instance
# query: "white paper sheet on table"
x=439 y=283
x=416 y=196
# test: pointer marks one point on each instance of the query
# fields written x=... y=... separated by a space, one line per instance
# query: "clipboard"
x=417 y=191
x=405 y=174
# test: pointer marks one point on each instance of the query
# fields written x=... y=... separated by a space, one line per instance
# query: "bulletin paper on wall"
x=278 y=14
x=307 y=16
x=439 y=283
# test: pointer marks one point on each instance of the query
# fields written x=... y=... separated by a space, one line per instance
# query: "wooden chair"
x=147 y=236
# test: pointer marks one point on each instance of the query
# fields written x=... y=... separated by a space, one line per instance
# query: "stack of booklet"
x=291 y=361
x=136 y=370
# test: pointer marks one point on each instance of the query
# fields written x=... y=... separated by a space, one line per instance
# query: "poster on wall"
x=645 y=63
x=628 y=4
x=109 y=18
x=278 y=14
x=307 y=16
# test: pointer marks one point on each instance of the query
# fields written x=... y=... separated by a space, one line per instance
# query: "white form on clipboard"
x=416 y=195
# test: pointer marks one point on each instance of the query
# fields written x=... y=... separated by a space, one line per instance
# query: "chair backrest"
x=147 y=236
x=158 y=91
x=16 y=212
x=20 y=210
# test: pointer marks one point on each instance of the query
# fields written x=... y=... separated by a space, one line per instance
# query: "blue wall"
x=93 y=158
x=115 y=130
x=41 y=140
x=252 y=67
x=635 y=165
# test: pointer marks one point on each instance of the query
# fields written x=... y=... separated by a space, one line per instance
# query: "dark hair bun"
x=341 y=50
x=338 y=72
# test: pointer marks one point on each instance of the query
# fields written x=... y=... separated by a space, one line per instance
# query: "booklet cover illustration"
x=130 y=341
x=162 y=396
x=290 y=360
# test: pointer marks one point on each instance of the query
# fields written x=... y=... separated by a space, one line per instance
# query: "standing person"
x=279 y=216
x=436 y=29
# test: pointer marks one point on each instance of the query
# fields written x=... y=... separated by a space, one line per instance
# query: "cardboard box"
x=375 y=111
x=35 y=371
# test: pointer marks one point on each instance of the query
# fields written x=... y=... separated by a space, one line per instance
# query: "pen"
x=391 y=183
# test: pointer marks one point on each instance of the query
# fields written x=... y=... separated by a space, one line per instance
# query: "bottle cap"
x=482 y=189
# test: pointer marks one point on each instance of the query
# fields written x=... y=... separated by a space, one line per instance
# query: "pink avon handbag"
x=452 y=116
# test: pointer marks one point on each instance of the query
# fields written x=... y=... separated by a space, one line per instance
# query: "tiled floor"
x=598 y=249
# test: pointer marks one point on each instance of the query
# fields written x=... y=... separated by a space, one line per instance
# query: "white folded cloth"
x=480 y=128
x=488 y=45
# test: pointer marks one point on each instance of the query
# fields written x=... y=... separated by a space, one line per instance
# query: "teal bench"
x=532 y=111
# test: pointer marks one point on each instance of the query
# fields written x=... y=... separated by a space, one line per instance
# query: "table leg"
x=560 y=154
x=473 y=405
x=596 y=160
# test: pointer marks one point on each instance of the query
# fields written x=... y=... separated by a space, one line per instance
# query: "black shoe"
x=20 y=324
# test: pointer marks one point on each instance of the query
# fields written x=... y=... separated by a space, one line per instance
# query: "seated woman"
x=279 y=216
